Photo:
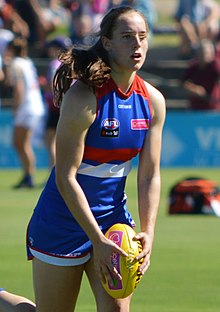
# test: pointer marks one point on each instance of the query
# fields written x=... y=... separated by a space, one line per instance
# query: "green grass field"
x=184 y=274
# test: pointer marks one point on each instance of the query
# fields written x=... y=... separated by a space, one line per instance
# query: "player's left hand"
x=146 y=242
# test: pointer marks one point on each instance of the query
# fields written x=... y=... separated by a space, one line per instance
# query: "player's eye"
x=127 y=36
x=142 y=37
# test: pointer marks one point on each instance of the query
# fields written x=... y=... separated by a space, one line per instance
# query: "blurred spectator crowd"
x=36 y=20
x=61 y=23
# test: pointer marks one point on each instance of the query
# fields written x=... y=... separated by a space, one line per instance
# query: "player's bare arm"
x=71 y=132
x=149 y=181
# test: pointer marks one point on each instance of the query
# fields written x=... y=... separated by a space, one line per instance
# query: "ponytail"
x=90 y=66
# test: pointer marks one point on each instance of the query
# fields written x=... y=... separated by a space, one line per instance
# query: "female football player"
x=108 y=116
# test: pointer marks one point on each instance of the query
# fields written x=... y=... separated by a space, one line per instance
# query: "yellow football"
x=122 y=235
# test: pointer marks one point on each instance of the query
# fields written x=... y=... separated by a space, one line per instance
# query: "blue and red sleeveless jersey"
x=115 y=137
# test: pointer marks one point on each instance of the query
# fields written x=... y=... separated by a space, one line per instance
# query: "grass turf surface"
x=184 y=273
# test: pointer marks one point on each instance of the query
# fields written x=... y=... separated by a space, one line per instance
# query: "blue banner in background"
x=190 y=139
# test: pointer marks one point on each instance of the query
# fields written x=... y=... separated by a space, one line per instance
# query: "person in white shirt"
x=28 y=105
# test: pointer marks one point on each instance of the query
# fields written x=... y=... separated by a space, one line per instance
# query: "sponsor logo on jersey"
x=139 y=124
x=110 y=128
x=124 y=106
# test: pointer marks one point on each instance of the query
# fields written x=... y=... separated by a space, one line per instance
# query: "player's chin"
x=137 y=65
x=133 y=68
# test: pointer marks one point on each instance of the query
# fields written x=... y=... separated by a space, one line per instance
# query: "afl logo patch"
x=139 y=124
x=110 y=128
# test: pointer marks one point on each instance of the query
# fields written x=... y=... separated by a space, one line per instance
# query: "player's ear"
x=106 y=42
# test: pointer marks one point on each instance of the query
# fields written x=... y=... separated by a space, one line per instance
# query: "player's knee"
x=115 y=305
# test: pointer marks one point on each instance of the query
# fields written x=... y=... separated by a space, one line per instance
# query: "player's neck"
x=123 y=82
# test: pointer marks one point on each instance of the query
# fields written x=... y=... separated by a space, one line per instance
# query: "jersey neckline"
x=120 y=92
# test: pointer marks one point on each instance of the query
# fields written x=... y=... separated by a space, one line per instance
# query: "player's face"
x=128 y=47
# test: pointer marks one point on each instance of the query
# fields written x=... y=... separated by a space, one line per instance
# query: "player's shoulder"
x=79 y=88
x=79 y=95
x=79 y=102
x=154 y=93
x=157 y=100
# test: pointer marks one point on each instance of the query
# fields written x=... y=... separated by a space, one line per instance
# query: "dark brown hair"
x=19 y=46
x=90 y=65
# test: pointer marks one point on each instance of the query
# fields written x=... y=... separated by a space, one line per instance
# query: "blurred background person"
x=5 y=37
x=80 y=33
x=85 y=18
x=53 y=47
x=201 y=79
x=217 y=47
x=196 y=20
x=147 y=7
x=11 y=20
x=114 y=3
x=43 y=18
x=28 y=106
x=2 y=75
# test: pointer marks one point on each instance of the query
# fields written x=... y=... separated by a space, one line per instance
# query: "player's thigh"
x=21 y=136
x=56 y=287
x=104 y=302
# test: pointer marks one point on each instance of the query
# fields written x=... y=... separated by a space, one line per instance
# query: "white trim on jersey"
x=106 y=170
x=64 y=261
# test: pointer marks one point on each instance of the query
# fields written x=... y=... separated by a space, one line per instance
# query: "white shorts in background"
x=27 y=121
